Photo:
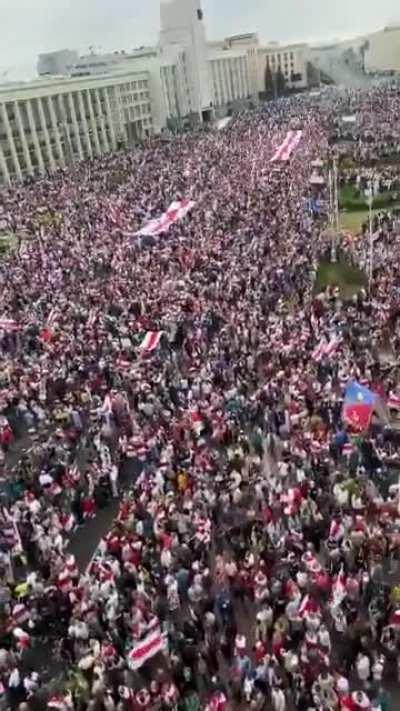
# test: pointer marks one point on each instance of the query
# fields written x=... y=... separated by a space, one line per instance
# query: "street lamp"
x=334 y=208
x=369 y=194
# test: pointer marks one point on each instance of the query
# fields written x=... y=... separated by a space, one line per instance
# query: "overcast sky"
x=29 y=27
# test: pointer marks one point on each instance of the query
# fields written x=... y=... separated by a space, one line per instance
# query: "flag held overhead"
x=359 y=404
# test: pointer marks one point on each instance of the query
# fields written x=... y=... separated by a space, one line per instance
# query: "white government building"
x=84 y=106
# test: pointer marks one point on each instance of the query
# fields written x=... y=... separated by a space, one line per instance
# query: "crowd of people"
x=253 y=560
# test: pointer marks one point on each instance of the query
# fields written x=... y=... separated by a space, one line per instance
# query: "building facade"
x=290 y=60
x=230 y=79
x=383 y=50
x=102 y=102
x=182 y=26
x=52 y=123
x=60 y=62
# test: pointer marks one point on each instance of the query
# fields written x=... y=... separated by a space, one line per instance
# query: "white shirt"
x=14 y=680
x=363 y=667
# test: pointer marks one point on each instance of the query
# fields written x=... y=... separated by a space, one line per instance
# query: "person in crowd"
x=194 y=380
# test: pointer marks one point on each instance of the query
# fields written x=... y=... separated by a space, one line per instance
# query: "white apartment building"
x=50 y=123
x=290 y=59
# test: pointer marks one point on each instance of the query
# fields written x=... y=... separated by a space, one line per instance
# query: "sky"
x=29 y=27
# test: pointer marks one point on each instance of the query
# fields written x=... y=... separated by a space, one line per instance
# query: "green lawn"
x=351 y=199
x=347 y=163
x=352 y=221
x=7 y=242
x=347 y=277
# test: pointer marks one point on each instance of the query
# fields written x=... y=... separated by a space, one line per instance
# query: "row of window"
x=271 y=59
x=130 y=86
x=55 y=108
x=65 y=138
x=136 y=111
x=285 y=56
x=230 y=84
x=134 y=98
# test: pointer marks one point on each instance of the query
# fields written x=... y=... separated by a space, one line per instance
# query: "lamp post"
x=370 y=199
x=334 y=208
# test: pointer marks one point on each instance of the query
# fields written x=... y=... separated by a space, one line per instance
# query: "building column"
x=228 y=83
x=240 y=81
x=93 y=122
x=82 y=111
x=10 y=139
x=69 y=152
x=237 y=79
x=106 y=145
x=42 y=117
x=243 y=89
x=4 y=166
x=75 y=124
x=22 y=136
x=35 y=138
x=56 y=132
x=110 y=119
x=222 y=92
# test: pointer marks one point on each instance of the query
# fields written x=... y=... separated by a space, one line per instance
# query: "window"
x=200 y=14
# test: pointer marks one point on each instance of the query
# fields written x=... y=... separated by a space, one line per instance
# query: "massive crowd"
x=253 y=562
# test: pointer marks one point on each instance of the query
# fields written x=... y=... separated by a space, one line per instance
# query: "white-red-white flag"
x=325 y=349
x=115 y=215
x=286 y=148
x=52 y=318
x=176 y=211
x=393 y=401
x=339 y=588
x=150 y=341
x=107 y=406
x=151 y=644
x=9 y=325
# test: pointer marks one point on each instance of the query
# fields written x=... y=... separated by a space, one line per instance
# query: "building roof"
x=276 y=47
x=50 y=85
x=215 y=53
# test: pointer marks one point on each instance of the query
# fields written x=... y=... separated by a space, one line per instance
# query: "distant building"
x=382 y=52
x=290 y=59
x=56 y=63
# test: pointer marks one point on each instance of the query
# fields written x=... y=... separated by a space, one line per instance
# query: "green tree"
x=280 y=82
x=269 y=82
x=363 y=50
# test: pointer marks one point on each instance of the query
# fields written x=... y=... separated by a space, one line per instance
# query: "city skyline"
x=55 y=24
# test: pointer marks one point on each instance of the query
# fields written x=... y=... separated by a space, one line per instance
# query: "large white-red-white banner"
x=286 y=148
x=176 y=211
x=151 y=644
